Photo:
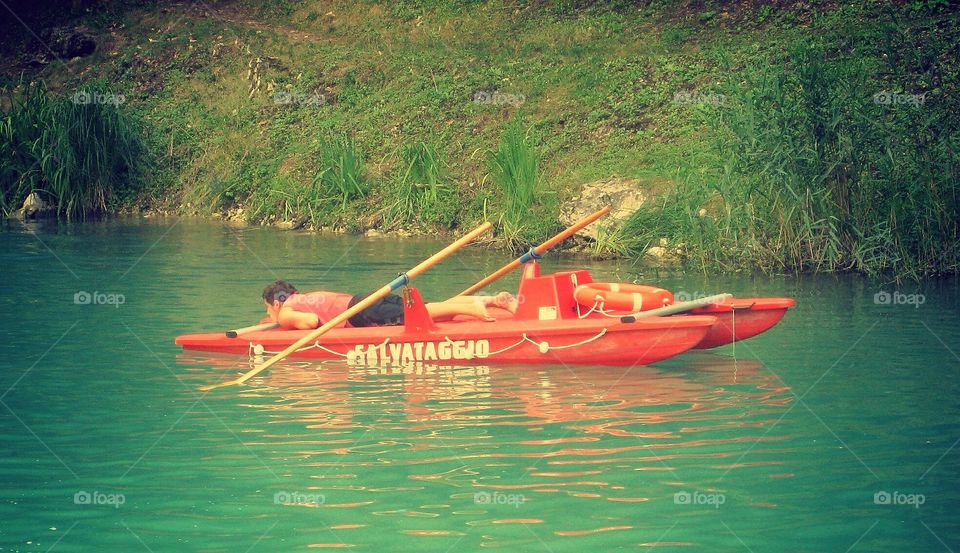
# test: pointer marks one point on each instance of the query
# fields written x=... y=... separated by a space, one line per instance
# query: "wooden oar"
x=360 y=306
x=682 y=307
x=238 y=331
x=535 y=252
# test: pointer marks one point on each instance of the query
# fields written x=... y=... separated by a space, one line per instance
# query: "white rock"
x=33 y=201
x=33 y=205
x=656 y=251
x=623 y=195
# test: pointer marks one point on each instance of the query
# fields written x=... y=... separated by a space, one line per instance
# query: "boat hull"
x=585 y=342
x=741 y=318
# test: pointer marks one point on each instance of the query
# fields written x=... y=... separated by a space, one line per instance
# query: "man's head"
x=274 y=295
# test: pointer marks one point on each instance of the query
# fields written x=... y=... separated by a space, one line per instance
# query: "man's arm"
x=290 y=319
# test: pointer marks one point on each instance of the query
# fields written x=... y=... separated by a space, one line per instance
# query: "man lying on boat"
x=293 y=310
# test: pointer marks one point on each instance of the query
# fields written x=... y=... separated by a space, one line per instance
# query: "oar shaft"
x=238 y=331
x=541 y=249
x=367 y=302
x=683 y=306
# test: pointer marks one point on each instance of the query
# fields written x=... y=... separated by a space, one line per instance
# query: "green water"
x=778 y=445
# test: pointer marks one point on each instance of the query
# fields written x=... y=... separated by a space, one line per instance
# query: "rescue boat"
x=563 y=317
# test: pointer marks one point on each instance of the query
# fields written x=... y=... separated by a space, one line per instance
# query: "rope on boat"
x=543 y=347
x=733 y=321
x=257 y=349
x=598 y=307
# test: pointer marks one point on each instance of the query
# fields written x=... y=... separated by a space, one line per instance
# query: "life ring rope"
x=621 y=296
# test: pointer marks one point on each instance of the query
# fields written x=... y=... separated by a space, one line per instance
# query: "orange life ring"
x=622 y=297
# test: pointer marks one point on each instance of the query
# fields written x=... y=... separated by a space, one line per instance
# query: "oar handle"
x=535 y=252
x=361 y=305
x=683 y=306
x=255 y=328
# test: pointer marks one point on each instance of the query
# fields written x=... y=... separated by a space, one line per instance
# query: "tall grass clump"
x=514 y=168
x=422 y=188
x=828 y=160
x=80 y=154
x=341 y=170
x=283 y=198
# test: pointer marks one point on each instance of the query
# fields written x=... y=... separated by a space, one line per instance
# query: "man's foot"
x=478 y=310
x=506 y=300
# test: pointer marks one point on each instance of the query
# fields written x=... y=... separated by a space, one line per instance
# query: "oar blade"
x=209 y=387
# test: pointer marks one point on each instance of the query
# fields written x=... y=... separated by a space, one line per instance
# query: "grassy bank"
x=837 y=153
x=791 y=137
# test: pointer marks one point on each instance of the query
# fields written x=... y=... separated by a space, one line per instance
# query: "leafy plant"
x=341 y=172
x=615 y=240
x=422 y=189
x=764 y=13
x=818 y=172
x=80 y=152
x=514 y=168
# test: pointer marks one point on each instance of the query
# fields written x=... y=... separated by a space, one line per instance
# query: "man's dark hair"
x=278 y=291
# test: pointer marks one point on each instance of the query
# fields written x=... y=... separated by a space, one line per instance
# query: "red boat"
x=548 y=327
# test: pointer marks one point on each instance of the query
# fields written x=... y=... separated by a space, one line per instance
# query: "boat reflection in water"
x=456 y=451
x=331 y=393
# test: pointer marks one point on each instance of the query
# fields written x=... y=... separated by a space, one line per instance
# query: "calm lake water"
x=836 y=431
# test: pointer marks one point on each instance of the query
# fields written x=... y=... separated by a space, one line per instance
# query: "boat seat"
x=549 y=297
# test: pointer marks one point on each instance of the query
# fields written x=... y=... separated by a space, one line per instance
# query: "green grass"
x=422 y=189
x=341 y=172
x=819 y=168
x=797 y=170
x=515 y=170
x=82 y=154
x=280 y=195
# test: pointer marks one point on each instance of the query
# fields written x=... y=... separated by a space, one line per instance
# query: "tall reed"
x=422 y=190
x=78 y=153
x=514 y=168
x=341 y=169
x=824 y=163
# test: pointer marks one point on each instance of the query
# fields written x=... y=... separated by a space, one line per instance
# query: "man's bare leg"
x=472 y=306
x=503 y=300
x=446 y=310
